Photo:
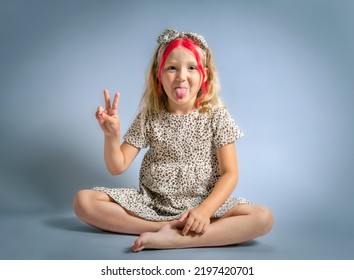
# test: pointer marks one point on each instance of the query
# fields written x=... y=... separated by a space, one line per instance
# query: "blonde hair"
x=151 y=103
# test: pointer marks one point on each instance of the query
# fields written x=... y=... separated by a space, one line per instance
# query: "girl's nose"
x=181 y=75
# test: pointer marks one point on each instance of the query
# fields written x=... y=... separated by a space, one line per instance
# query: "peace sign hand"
x=108 y=118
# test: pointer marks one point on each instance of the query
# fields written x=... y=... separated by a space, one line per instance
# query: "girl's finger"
x=194 y=227
x=188 y=225
x=200 y=228
x=99 y=112
x=183 y=217
x=205 y=227
x=107 y=99
x=116 y=101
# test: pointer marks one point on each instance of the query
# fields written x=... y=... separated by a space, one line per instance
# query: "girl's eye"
x=170 y=68
x=192 y=67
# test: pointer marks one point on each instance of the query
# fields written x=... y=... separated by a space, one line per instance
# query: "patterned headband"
x=169 y=35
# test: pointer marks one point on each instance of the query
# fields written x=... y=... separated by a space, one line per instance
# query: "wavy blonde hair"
x=152 y=102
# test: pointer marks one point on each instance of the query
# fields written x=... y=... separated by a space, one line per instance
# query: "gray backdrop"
x=286 y=69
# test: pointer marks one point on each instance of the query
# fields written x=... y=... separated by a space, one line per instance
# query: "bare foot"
x=168 y=237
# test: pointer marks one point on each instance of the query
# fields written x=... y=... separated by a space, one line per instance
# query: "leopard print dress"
x=180 y=168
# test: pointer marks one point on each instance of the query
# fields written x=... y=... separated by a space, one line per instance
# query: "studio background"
x=286 y=71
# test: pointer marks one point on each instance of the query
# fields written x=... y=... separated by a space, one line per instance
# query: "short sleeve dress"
x=180 y=168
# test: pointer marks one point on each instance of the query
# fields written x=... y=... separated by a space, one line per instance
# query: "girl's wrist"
x=112 y=137
x=205 y=209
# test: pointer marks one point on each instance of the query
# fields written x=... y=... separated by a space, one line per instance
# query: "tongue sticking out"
x=180 y=92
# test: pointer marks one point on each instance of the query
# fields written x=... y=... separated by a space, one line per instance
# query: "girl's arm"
x=198 y=219
x=117 y=157
x=227 y=183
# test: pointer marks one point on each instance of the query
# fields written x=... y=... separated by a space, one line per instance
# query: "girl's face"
x=181 y=81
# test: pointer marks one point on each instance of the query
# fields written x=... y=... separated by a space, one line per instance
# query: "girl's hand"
x=108 y=118
x=196 y=220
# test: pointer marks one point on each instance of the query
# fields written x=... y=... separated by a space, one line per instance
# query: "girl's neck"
x=180 y=110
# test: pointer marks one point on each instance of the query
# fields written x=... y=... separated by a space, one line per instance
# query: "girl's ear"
x=206 y=74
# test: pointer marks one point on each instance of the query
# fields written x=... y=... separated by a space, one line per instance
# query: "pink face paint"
x=180 y=92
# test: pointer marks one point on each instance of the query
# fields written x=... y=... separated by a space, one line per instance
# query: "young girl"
x=190 y=169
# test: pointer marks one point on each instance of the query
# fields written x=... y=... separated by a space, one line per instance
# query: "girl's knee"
x=265 y=219
x=85 y=200
x=81 y=203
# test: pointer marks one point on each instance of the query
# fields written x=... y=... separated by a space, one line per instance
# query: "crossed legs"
x=240 y=224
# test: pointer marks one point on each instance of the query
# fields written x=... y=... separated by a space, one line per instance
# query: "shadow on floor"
x=74 y=224
x=70 y=224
